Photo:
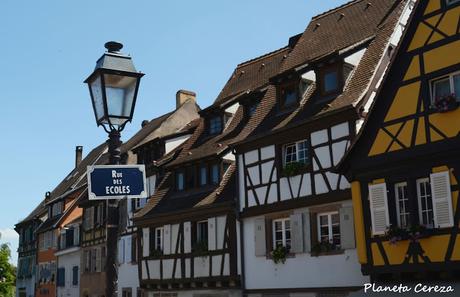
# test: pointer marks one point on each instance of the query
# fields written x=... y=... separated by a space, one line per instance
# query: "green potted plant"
x=446 y=103
x=322 y=247
x=200 y=248
x=293 y=168
x=156 y=253
x=279 y=254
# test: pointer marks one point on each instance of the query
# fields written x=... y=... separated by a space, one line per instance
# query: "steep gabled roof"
x=357 y=84
x=338 y=29
x=38 y=211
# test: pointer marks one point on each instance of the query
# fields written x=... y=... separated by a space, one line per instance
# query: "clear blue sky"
x=49 y=47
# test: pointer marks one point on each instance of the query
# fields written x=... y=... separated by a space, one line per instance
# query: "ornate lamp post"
x=113 y=87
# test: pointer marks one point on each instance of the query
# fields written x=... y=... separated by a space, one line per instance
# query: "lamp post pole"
x=111 y=288
x=113 y=87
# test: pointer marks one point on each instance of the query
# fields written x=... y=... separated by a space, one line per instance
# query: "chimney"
x=182 y=96
x=78 y=155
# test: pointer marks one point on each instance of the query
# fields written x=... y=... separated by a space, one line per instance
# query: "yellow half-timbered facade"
x=405 y=165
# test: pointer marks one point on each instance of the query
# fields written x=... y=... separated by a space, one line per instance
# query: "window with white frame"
x=151 y=180
x=425 y=203
x=446 y=85
x=329 y=227
x=296 y=152
x=281 y=232
x=402 y=205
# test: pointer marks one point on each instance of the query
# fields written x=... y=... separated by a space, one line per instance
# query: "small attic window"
x=288 y=95
x=330 y=79
x=215 y=125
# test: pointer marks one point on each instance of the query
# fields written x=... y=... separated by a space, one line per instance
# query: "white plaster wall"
x=68 y=261
x=301 y=271
x=355 y=58
x=28 y=284
x=172 y=143
x=201 y=293
x=127 y=271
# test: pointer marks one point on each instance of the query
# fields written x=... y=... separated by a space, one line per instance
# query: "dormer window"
x=215 y=125
x=330 y=79
x=180 y=181
x=288 y=95
x=251 y=108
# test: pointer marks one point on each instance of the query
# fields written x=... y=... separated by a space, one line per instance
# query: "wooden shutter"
x=306 y=232
x=167 y=239
x=187 y=237
x=145 y=242
x=61 y=277
x=76 y=235
x=259 y=237
x=75 y=275
x=127 y=250
x=212 y=226
x=379 y=208
x=442 y=200
x=296 y=233
x=347 y=230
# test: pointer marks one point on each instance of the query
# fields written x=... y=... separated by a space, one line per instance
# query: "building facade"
x=405 y=184
x=27 y=251
x=297 y=229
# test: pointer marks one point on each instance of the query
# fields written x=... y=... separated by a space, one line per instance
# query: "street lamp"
x=113 y=87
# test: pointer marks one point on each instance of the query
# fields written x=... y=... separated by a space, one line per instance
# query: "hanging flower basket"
x=412 y=233
x=446 y=103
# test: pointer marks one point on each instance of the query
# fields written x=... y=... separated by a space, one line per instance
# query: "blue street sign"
x=116 y=181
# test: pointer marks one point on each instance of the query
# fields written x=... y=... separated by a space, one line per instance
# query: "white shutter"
x=212 y=226
x=167 y=239
x=121 y=244
x=296 y=233
x=347 y=230
x=145 y=242
x=379 y=208
x=98 y=260
x=306 y=232
x=442 y=200
x=127 y=251
x=260 y=245
x=187 y=237
x=76 y=235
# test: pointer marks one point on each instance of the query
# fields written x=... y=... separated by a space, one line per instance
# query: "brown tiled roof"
x=338 y=29
x=39 y=210
x=252 y=74
x=357 y=84
x=73 y=179
x=166 y=200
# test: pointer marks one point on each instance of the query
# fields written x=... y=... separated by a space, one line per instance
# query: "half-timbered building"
x=405 y=165
x=296 y=223
x=27 y=251
x=93 y=244
x=188 y=231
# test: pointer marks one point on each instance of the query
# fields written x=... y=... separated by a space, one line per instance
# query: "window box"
x=413 y=233
x=446 y=103
x=200 y=248
x=294 y=168
x=325 y=248
x=156 y=253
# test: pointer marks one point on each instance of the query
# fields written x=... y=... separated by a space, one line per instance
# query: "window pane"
x=441 y=88
x=457 y=86
x=215 y=125
x=331 y=81
x=290 y=154
x=215 y=174
x=303 y=151
x=290 y=97
x=203 y=176
x=180 y=181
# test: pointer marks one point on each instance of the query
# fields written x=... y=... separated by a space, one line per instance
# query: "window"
x=330 y=81
x=288 y=95
x=87 y=259
x=425 y=203
x=139 y=203
x=190 y=177
x=202 y=232
x=446 y=85
x=449 y=2
x=251 y=109
x=329 y=227
x=56 y=209
x=282 y=233
x=127 y=292
x=215 y=125
x=203 y=175
x=180 y=181
x=61 y=277
x=75 y=276
x=215 y=174
x=158 y=244
x=402 y=205
x=296 y=152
